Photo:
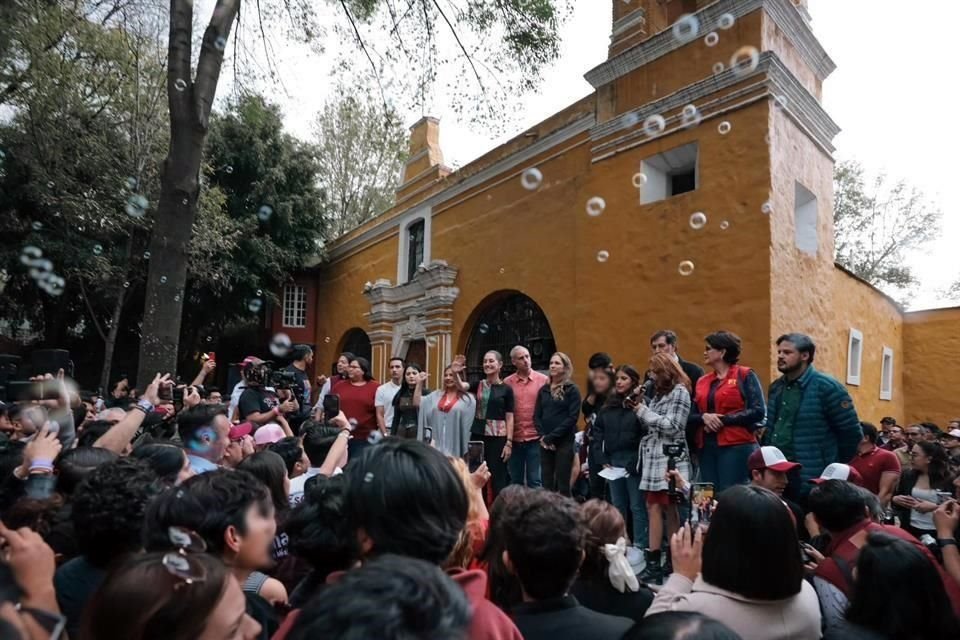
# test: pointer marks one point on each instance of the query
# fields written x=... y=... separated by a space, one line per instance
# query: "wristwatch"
x=946 y=542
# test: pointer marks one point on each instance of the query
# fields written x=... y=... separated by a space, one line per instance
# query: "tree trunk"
x=109 y=342
x=190 y=103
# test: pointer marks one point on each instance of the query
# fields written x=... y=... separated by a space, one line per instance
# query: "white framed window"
x=414 y=247
x=854 y=357
x=805 y=219
x=294 y=306
x=669 y=173
x=886 y=375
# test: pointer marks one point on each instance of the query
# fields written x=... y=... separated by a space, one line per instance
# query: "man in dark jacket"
x=544 y=537
x=811 y=417
x=665 y=341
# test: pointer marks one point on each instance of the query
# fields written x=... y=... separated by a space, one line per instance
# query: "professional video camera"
x=283 y=379
x=673 y=451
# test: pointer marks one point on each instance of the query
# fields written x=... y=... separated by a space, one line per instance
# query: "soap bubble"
x=280 y=345
x=686 y=28
x=531 y=179
x=595 y=207
x=686 y=268
x=745 y=60
x=432 y=341
x=163 y=279
x=259 y=292
x=228 y=169
x=630 y=120
x=265 y=212
x=185 y=202
x=126 y=285
x=483 y=328
x=698 y=220
x=97 y=249
x=180 y=84
x=691 y=116
x=209 y=338
x=718 y=67
x=255 y=305
x=176 y=298
x=639 y=180
x=654 y=125
x=146 y=255
x=603 y=256
x=327 y=340
x=131 y=183
x=711 y=39
x=724 y=128
x=220 y=43
x=29 y=254
x=724 y=225
x=766 y=208
x=726 y=21
x=502 y=271
x=137 y=206
x=37 y=225
x=50 y=185
x=780 y=102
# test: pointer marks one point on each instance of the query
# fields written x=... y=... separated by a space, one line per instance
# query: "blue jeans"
x=524 y=463
x=725 y=466
x=630 y=501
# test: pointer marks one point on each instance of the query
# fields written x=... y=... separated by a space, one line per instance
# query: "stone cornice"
x=783 y=12
x=770 y=78
x=629 y=21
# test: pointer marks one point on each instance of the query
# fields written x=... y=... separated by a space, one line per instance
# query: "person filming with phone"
x=665 y=419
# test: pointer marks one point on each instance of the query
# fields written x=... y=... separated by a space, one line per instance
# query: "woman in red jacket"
x=728 y=408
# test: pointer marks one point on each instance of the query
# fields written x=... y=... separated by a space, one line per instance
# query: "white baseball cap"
x=840 y=471
x=770 y=458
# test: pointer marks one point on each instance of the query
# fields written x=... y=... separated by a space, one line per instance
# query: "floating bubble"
x=131 y=183
x=531 y=178
x=630 y=120
x=766 y=208
x=220 y=43
x=595 y=207
x=698 y=220
x=780 y=102
x=368 y=477
x=97 y=249
x=228 y=169
x=146 y=255
x=724 y=225
x=264 y=213
x=163 y=279
x=483 y=328
x=718 y=67
x=745 y=60
x=327 y=340
x=126 y=285
x=432 y=341
x=654 y=125
x=185 y=202
x=686 y=268
x=176 y=298
x=180 y=84
x=259 y=292
x=686 y=28
x=502 y=270
x=255 y=305
x=639 y=180
x=724 y=128
x=726 y=21
x=280 y=345
x=137 y=206
x=711 y=39
x=50 y=185
x=209 y=338
x=691 y=116
x=603 y=256
x=37 y=225
x=29 y=253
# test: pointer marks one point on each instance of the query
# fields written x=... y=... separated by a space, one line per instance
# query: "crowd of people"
x=661 y=501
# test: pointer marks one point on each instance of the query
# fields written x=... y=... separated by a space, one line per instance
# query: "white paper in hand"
x=613 y=473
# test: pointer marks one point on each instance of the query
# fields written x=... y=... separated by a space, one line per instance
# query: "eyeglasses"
x=178 y=563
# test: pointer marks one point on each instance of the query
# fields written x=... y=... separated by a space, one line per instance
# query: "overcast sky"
x=891 y=96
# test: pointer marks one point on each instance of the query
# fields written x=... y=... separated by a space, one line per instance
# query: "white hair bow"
x=620 y=572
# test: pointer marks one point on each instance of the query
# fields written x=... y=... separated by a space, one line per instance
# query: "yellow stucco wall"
x=931 y=349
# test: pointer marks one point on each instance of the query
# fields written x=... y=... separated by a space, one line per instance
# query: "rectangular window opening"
x=669 y=174
x=854 y=357
x=294 y=306
x=886 y=375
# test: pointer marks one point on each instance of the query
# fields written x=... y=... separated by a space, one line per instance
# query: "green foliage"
x=878 y=224
x=361 y=152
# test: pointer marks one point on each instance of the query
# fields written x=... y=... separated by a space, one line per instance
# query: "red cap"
x=238 y=431
x=770 y=458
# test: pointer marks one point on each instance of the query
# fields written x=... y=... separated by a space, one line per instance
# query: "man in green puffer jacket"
x=810 y=416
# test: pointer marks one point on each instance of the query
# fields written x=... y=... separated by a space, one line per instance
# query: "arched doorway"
x=357 y=342
x=503 y=322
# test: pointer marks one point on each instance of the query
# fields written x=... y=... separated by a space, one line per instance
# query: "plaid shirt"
x=666 y=421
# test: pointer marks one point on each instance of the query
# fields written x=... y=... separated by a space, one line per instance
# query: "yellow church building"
x=692 y=190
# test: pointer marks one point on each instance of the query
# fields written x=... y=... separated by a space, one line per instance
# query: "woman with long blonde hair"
x=555 y=416
x=665 y=419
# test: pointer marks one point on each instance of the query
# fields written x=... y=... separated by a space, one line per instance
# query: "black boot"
x=668 y=565
x=652 y=571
